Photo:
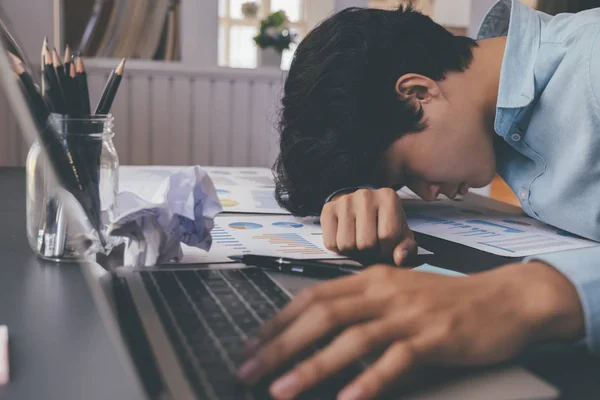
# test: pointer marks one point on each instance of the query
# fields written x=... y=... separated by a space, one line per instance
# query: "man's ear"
x=418 y=88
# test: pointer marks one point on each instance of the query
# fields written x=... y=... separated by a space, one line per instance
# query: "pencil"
x=73 y=91
x=92 y=151
x=68 y=59
x=82 y=85
x=34 y=99
x=110 y=90
x=67 y=89
x=73 y=176
x=57 y=153
x=52 y=90
x=59 y=67
x=63 y=82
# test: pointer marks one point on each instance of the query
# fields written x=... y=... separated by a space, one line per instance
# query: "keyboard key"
x=207 y=315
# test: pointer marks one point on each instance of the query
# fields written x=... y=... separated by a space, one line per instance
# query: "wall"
x=199 y=32
x=478 y=10
x=31 y=21
x=455 y=13
x=316 y=11
x=171 y=114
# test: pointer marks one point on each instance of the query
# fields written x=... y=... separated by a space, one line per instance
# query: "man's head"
x=367 y=101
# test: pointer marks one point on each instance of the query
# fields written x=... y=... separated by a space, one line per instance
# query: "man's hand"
x=368 y=221
x=417 y=319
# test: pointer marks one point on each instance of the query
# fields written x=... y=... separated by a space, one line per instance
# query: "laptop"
x=181 y=330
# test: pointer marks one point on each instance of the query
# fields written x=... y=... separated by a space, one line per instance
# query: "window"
x=236 y=47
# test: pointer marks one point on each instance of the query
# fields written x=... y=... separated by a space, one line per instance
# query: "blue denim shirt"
x=548 y=112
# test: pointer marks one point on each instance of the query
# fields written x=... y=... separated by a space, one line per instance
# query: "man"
x=376 y=100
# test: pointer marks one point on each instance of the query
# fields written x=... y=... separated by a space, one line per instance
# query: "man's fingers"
x=329 y=225
x=346 y=286
x=397 y=361
x=405 y=250
x=346 y=232
x=350 y=346
x=319 y=320
x=366 y=226
x=388 y=230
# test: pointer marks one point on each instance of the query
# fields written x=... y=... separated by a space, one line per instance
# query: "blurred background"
x=204 y=77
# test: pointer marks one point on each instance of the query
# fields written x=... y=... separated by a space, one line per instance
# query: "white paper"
x=272 y=235
x=492 y=231
x=407 y=194
x=241 y=176
x=243 y=199
x=180 y=208
x=279 y=236
x=240 y=190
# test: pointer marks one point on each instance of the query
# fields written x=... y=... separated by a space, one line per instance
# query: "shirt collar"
x=522 y=26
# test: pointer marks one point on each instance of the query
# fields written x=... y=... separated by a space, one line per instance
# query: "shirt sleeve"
x=582 y=268
x=347 y=190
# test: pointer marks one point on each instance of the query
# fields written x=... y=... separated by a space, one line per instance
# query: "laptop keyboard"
x=209 y=314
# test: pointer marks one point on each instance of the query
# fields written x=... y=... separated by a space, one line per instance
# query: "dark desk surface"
x=59 y=348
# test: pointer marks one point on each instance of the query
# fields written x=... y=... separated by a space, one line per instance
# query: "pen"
x=314 y=269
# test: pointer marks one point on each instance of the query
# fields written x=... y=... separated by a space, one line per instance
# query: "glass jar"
x=92 y=154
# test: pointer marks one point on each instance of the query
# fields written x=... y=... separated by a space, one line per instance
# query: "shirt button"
x=523 y=195
x=515 y=137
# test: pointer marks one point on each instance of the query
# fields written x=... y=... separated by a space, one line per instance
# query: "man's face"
x=454 y=153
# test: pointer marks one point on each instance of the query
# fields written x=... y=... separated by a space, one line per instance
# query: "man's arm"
x=582 y=268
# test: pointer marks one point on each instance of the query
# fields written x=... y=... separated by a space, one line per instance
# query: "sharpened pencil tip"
x=17 y=64
x=67 y=54
x=14 y=59
x=79 y=65
x=56 y=58
x=121 y=67
x=72 y=71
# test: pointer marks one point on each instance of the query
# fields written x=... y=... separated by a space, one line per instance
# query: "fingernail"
x=352 y=393
x=286 y=385
x=252 y=344
x=247 y=371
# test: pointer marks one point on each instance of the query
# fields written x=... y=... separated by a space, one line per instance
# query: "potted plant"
x=273 y=37
x=250 y=9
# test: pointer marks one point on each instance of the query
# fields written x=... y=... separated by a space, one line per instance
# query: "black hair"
x=340 y=111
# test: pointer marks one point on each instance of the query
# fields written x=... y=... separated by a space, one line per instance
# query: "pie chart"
x=245 y=225
x=228 y=203
x=288 y=224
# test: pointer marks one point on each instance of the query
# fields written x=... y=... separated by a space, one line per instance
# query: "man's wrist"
x=556 y=306
x=551 y=307
x=340 y=192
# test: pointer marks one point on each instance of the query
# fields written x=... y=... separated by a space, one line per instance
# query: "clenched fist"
x=368 y=221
